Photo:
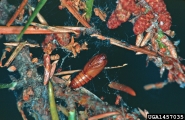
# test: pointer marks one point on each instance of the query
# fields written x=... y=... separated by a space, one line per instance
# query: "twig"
x=33 y=30
x=125 y=45
x=15 y=53
x=74 y=71
x=103 y=115
x=37 y=9
x=75 y=13
x=21 y=7
x=54 y=29
x=27 y=44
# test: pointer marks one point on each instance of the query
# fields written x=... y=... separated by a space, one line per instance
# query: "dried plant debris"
x=46 y=96
x=35 y=95
x=100 y=14
x=75 y=47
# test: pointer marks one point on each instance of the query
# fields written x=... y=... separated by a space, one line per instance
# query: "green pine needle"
x=71 y=115
x=10 y=85
x=88 y=10
x=53 y=108
x=31 y=18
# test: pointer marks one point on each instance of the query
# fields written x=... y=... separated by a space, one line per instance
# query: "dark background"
x=169 y=99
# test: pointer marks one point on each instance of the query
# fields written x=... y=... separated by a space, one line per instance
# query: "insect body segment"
x=91 y=69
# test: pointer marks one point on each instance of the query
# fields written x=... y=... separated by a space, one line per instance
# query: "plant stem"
x=53 y=108
x=32 y=17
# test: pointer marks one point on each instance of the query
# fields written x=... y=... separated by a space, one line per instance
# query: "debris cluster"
x=151 y=19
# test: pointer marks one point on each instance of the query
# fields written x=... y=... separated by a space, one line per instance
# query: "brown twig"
x=125 y=45
x=21 y=7
x=33 y=30
x=103 y=115
x=75 y=13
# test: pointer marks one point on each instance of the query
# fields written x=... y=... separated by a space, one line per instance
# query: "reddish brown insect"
x=122 y=87
x=91 y=69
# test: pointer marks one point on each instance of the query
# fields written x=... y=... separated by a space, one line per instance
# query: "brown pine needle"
x=63 y=110
x=120 y=66
x=75 y=13
x=74 y=71
x=104 y=115
x=125 y=45
x=54 y=29
x=34 y=30
x=155 y=86
x=21 y=7
x=2 y=58
x=27 y=44
x=73 y=28
x=143 y=113
x=15 y=53
x=67 y=72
